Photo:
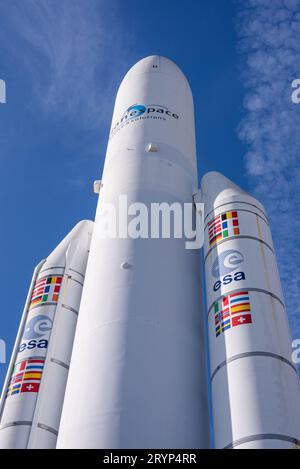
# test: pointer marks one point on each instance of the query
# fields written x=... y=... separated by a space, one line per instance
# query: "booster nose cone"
x=218 y=189
x=214 y=183
x=249 y=338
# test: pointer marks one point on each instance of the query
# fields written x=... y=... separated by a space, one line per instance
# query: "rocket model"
x=139 y=341
x=131 y=371
x=255 y=386
x=35 y=384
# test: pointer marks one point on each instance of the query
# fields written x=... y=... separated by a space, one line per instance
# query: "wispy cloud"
x=269 y=44
x=70 y=49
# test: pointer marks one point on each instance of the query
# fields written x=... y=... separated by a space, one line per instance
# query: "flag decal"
x=223 y=226
x=26 y=376
x=46 y=290
x=231 y=311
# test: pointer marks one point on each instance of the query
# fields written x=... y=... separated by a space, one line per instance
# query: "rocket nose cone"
x=154 y=103
x=217 y=189
x=214 y=184
x=156 y=64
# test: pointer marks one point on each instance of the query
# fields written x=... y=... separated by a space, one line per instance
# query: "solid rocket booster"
x=138 y=377
x=255 y=387
x=35 y=385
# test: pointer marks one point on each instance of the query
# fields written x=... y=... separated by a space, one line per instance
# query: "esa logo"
x=43 y=343
x=223 y=266
x=36 y=328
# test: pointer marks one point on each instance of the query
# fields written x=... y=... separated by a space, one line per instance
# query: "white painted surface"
x=255 y=387
x=138 y=376
x=47 y=333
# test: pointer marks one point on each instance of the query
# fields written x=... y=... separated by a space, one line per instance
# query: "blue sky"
x=63 y=60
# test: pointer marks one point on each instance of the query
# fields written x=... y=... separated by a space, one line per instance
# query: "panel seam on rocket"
x=46 y=303
x=47 y=428
x=74 y=280
x=239 y=202
x=252 y=354
x=239 y=210
x=263 y=436
x=58 y=362
x=16 y=423
x=50 y=268
x=77 y=272
x=253 y=238
x=70 y=309
x=259 y=290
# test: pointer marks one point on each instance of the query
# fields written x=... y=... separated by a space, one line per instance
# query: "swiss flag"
x=241 y=319
x=30 y=387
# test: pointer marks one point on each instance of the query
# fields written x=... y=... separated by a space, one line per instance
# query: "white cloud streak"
x=69 y=49
x=269 y=44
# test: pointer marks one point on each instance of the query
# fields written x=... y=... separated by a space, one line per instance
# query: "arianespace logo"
x=134 y=111
x=143 y=111
x=224 y=266
x=139 y=109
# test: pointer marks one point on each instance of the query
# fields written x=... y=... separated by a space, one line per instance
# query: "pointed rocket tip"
x=157 y=63
x=215 y=183
x=82 y=224
x=80 y=230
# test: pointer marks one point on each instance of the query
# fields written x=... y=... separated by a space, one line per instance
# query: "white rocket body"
x=35 y=386
x=138 y=377
x=255 y=387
